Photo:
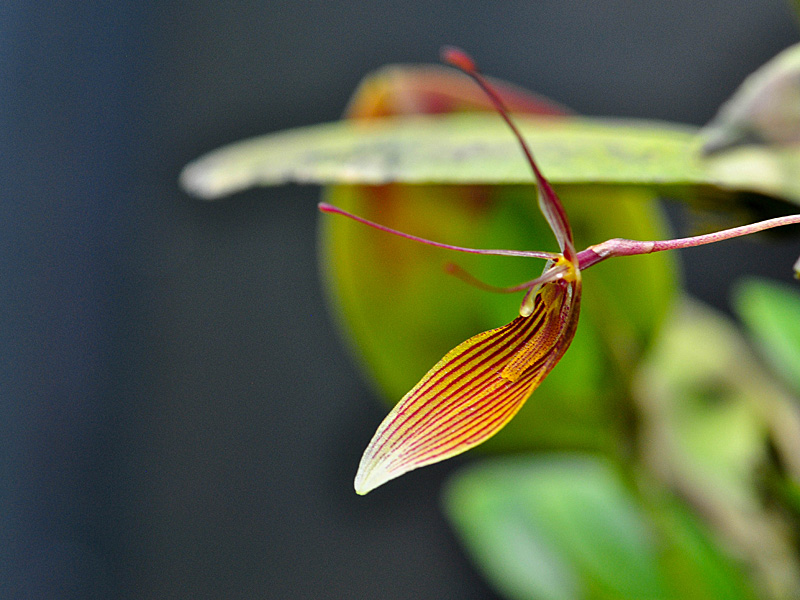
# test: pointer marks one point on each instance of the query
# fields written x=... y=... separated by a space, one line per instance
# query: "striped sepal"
x=473 y=391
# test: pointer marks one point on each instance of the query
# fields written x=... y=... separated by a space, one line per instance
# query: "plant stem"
x=621 y=247
x=549 y=203
x=335 y=210
x=593 y=254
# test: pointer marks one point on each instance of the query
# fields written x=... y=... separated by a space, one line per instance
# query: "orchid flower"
x=471 y=393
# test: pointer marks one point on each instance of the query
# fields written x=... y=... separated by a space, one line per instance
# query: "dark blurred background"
x=177 y=417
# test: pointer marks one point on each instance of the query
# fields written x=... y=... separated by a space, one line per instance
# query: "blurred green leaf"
x=692 y=560
x=791 y=491
x=566 y=527
x=771 y=312
x=768 y=170
x=712 y=424
x=699 y=393
x=764 y=110
x=402 y=313
x=460 y=148
x=755 y=136
x=555 y=528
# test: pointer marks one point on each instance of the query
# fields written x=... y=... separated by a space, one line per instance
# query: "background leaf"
x=768 y=170
x=457 y=148
x=719 y=433
x=423 y=145
x=771 y=312
x=436 y=89
x=755 y=136
x=691 y=557
x=555 y=528
x=764 y=110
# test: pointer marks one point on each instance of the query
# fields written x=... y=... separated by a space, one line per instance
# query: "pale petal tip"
x=370 y=477
x=195 y=181
x=373 y=472
x=361 y=488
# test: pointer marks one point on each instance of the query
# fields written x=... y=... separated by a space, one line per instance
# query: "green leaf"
x=707 y=406
x=555 y=528
x=459 y=148
x=754 y=140
x=402 y=313
x=771 y=313
x=767 y=170
x=712 y=424
x=764 y=111
x=691 y=560
x=566 y=526
x=702 y=399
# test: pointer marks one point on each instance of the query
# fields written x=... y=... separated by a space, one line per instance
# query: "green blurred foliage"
x=717 y=430
x=468 y=148
x=771 y=312
x=556 y=528
x=691 y=557
x=478 y=149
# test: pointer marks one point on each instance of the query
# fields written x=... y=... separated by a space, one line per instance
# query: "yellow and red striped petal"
x=474 y=390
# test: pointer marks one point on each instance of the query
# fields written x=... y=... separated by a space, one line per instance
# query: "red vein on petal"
x=416 y=397
x=387 y=439
x=457 y=363
x=467 y=405
x=455 y=400
x=512 y=397
x=484 y=409
x=500 y=392
x=467 y=397
x=490 y=422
